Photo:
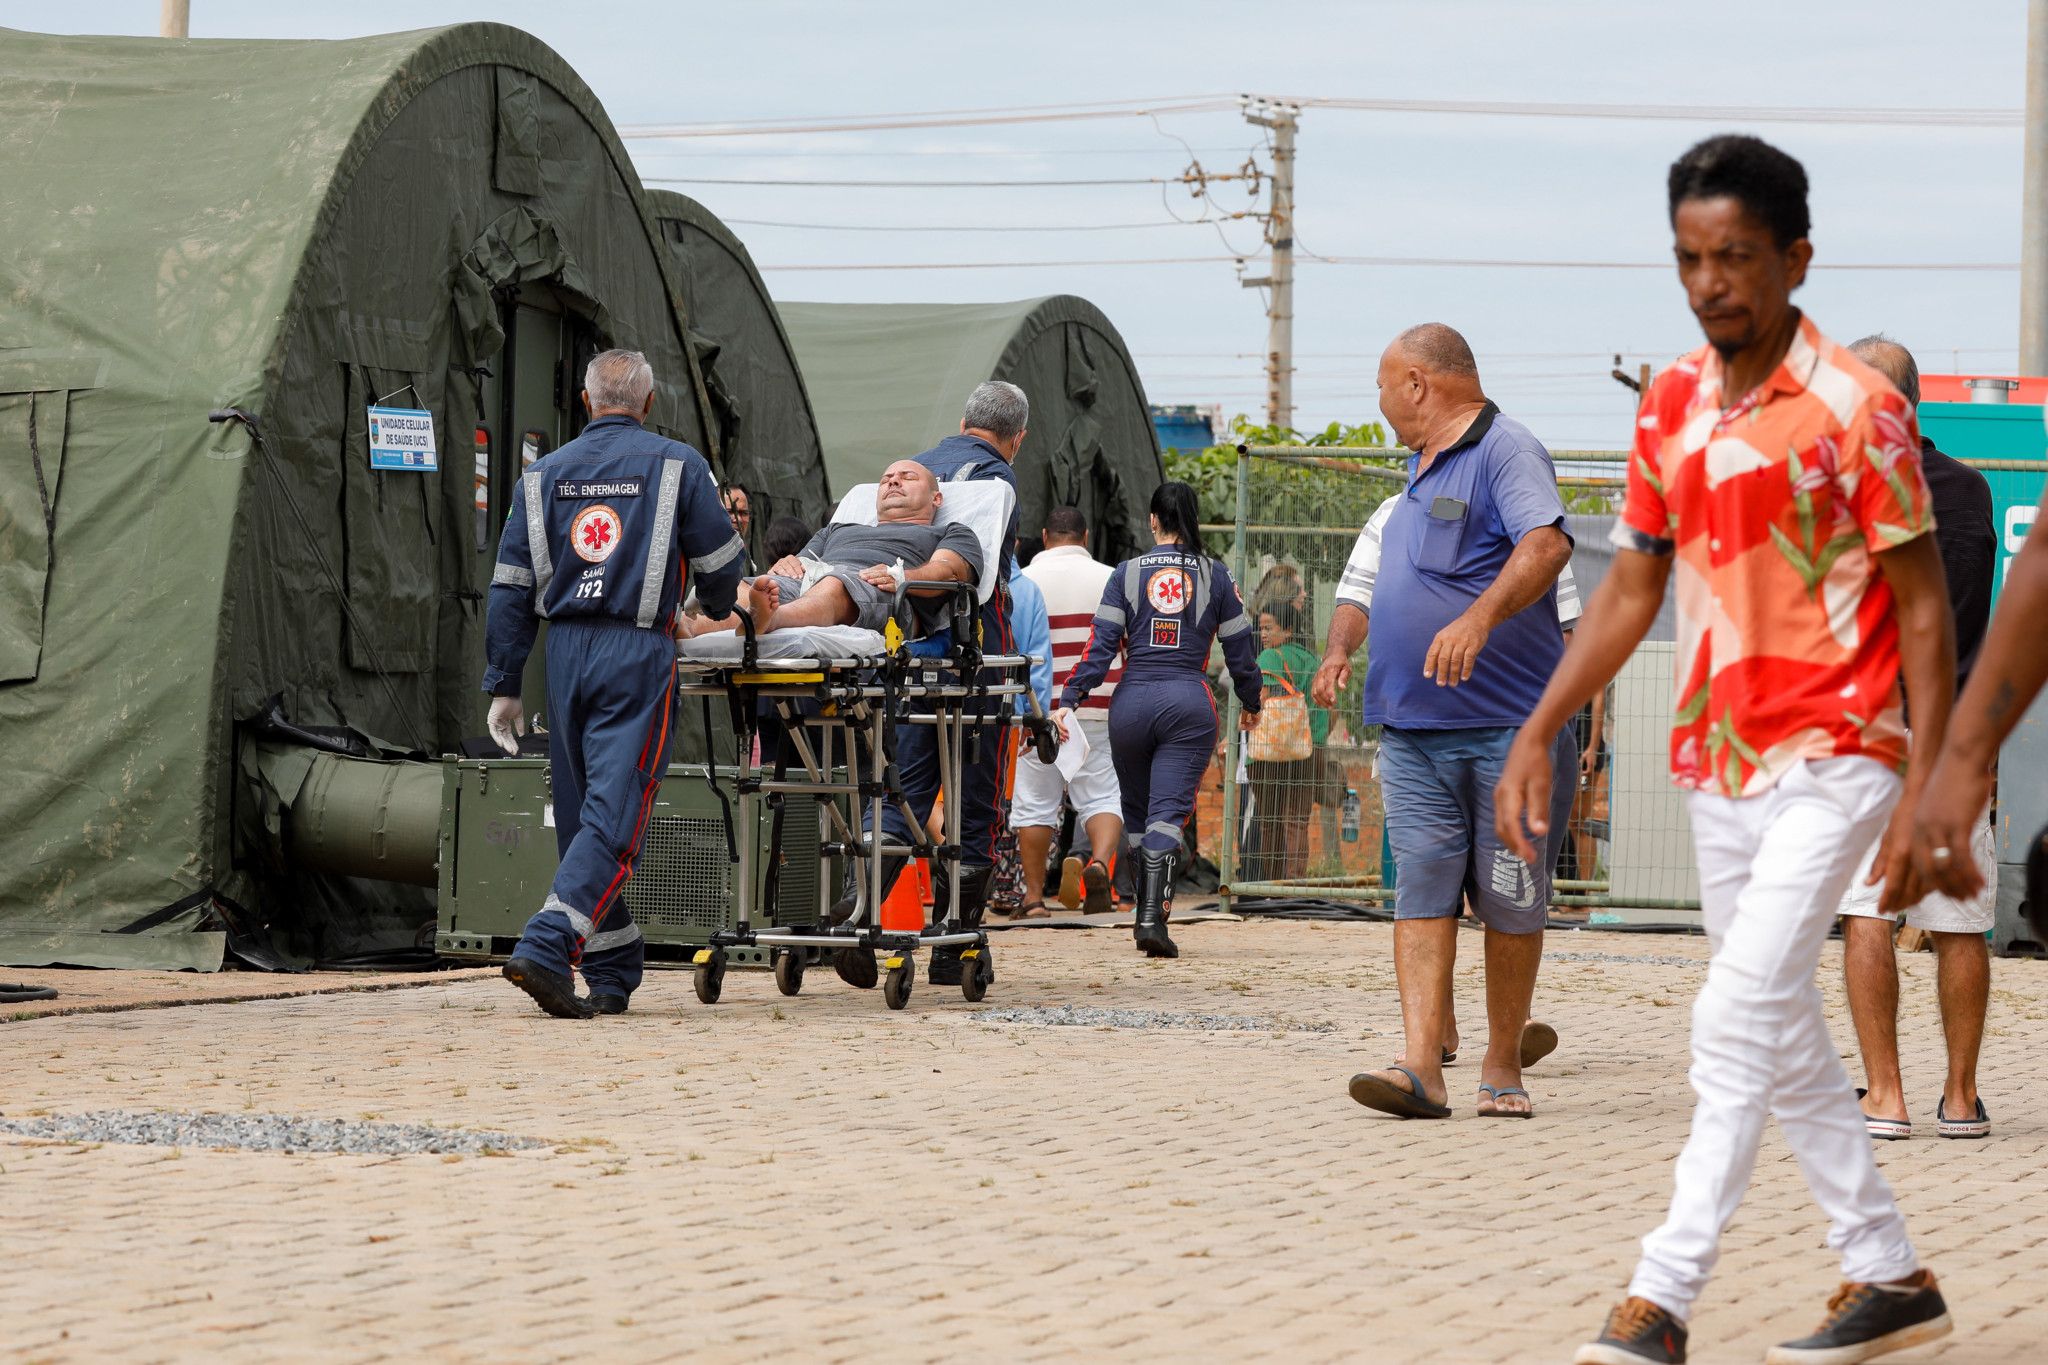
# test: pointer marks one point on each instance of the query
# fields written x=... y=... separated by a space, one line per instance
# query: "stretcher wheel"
x=976 y=973
x=709 y=978
x=789 y=971
x=897 y=982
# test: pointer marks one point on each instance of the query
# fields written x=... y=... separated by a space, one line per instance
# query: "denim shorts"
x=1437 y=788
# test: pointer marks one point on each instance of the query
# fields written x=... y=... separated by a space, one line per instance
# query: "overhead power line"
x=1464 y=262
x=1009 y=265
x=899 y=153
x=954 y=118
x=1391 y=262
x=911 y=184
x=1693 y=113
x=1887 y=116
x=972 y=227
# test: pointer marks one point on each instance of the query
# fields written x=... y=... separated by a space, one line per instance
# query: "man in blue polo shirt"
x=1464 y=639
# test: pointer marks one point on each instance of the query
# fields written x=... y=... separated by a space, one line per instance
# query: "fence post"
x=1227 y=865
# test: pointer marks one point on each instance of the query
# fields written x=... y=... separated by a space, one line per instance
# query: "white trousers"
x=1772 y=870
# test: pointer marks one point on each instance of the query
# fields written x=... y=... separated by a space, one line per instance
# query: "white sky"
x=1369 y=184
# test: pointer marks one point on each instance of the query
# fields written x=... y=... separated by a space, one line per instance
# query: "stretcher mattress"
x=796 y=644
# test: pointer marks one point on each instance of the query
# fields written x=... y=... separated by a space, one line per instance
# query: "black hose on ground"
x=15 y=992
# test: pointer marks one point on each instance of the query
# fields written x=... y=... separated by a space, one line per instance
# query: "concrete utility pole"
x=2034 y=199
x=1281 y=119
x=175 y=19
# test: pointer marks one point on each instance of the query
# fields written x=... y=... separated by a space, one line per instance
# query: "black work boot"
x=856 y=967
x=606 y=1002
x=552 y=991
x=1869 y=1320
x=1155 y=903
x=843 y=908
x=974 y=880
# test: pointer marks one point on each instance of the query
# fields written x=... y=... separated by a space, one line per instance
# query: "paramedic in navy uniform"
x=991 y=433
x=598 y=539
x=1163 y=610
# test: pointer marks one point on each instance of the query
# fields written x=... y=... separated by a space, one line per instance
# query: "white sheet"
x=983 y=506
x=797 y=642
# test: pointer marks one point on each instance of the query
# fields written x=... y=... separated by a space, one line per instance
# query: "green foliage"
x=1286 y=493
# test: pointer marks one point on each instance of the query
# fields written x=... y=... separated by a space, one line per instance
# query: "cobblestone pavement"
x=818 y=1178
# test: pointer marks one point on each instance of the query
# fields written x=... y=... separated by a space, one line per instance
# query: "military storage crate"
x=497 y=858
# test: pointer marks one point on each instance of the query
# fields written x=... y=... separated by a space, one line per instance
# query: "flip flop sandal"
x=1035 y=910
x=1377 y=1092
x=1977 y=1127
x=1070 y=883
x=1538 y=1042
x=1095 y=888
x=1499 y=1092
x=1893 y=1130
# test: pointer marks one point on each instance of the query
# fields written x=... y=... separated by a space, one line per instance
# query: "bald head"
x=1437 y=350
x=1427 y=379
x=1891 y=360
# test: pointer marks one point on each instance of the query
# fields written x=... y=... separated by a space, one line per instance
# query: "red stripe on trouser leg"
x=657 y=743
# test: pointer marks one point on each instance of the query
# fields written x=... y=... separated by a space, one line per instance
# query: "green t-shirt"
x=1297 y=664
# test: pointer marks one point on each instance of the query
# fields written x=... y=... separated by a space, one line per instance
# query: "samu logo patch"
x=594 y=533
x=1165 y=634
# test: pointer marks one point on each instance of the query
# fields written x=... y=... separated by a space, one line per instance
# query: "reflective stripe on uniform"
x=1133 y=588
x=611 y=938
x=578 y=921
x=512 y=574
x=1201 y=595
x=720 y=557
x=1113 y=615
x=1162 y=827
x=1235 y=626
x=657 y=543
x=537 y=540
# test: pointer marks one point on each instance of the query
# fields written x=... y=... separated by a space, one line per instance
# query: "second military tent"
x=767 y=435
x=889 y=380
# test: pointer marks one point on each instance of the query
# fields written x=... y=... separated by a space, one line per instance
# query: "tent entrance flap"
x=32 y=432
x=533 y=394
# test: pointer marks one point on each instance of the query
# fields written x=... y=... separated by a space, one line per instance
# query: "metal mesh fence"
x=1302 y=814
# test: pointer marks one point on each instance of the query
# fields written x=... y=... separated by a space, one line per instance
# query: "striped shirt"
x=1363 y=569
x=1072 y=582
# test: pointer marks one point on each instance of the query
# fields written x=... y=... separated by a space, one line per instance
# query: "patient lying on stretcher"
x=847 y=574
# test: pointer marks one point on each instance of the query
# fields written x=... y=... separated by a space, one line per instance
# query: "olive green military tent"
x=765 y=428
x=889 y=380
x=441 y=221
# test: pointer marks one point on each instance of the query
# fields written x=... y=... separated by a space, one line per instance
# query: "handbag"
x=1283 y=735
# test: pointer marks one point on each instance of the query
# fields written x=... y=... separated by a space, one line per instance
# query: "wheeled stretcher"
x=836 y=695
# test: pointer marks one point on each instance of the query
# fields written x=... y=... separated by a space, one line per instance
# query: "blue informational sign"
x=403 y=439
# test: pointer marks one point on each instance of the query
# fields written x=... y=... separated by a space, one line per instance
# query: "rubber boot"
x=856 y=966
x=1155 y=903
x=856 y=883
x=974 y=883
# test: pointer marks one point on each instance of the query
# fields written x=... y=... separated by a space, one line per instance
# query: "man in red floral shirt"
x=1776 y=478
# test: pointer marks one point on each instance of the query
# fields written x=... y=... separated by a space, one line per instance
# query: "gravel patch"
x=1083 y=1016
x=1629 y=960
x=264 y=1133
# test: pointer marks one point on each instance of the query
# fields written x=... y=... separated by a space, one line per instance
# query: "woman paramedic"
x=1163 y=610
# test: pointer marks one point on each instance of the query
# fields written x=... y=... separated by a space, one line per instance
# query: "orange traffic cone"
x=903 y=907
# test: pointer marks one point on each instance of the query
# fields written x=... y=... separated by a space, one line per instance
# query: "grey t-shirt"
x=852 y=546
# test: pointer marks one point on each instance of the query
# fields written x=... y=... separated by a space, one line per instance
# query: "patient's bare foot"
x=763 y=597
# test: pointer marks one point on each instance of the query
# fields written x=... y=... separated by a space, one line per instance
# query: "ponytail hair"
x=1173 y=502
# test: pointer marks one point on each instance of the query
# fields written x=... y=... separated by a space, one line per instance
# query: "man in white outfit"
x=1071 y=581
x=1777 y=479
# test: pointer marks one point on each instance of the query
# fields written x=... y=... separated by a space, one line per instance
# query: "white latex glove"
x=507 y=724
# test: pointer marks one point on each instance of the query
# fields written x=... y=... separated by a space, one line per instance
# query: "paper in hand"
x=1073 y=750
